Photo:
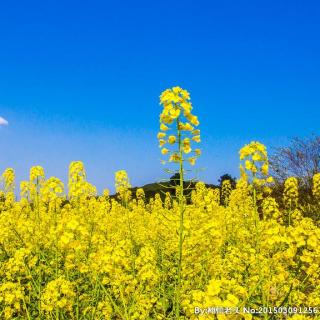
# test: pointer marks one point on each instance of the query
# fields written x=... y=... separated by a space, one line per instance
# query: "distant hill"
x=151 y=189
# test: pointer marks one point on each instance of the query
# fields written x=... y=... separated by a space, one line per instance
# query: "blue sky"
x=80 y=80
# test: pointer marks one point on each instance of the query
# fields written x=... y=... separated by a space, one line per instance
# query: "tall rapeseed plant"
x=226 y=189
x=79 y=187
x=123 y=185
x=316 y=186
x=291 y=195
x=8 y=178
x=178 y=130
x=255 y=169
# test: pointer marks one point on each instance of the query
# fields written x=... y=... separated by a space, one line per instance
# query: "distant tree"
x=301 y=159
x=227 y=176
x=175 y=179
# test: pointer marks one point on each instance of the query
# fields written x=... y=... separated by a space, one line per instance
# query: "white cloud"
x=3 y=122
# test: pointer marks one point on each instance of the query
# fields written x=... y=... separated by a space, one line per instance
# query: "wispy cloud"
x=3 y=122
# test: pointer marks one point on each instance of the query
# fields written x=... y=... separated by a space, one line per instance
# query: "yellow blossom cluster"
x=122 y=185
x=291 y=192
x=78 y=186
x=226 y=189
x=178 y=126
x=256 y=166
x=58 y=295
x=8 y=178
x=8 y=181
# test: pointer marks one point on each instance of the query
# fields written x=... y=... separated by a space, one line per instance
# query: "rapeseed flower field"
x=69 y=253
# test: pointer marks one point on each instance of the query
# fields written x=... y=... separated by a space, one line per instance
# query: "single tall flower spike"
x=255 y=163
x=77 y=184
x=291 y=193
x=8 y=178
x=177 y=127
x=123 y=185
x=316 y=186
x=225 y=192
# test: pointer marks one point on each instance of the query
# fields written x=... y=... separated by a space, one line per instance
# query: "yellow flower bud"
x=163 y=127
x=161 y=135
x=196 y=138
x=172 y=139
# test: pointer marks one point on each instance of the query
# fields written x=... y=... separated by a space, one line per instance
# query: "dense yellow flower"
x=174 y=113
x=214 y=288
x=174 y=158
x=60 y=294
x=36 y=173
x=117 y=245
x=121 y=180
x=270 y=208
x=256 y=166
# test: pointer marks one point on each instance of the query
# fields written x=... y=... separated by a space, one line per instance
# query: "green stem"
x=258 y=243
x=181 y=226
